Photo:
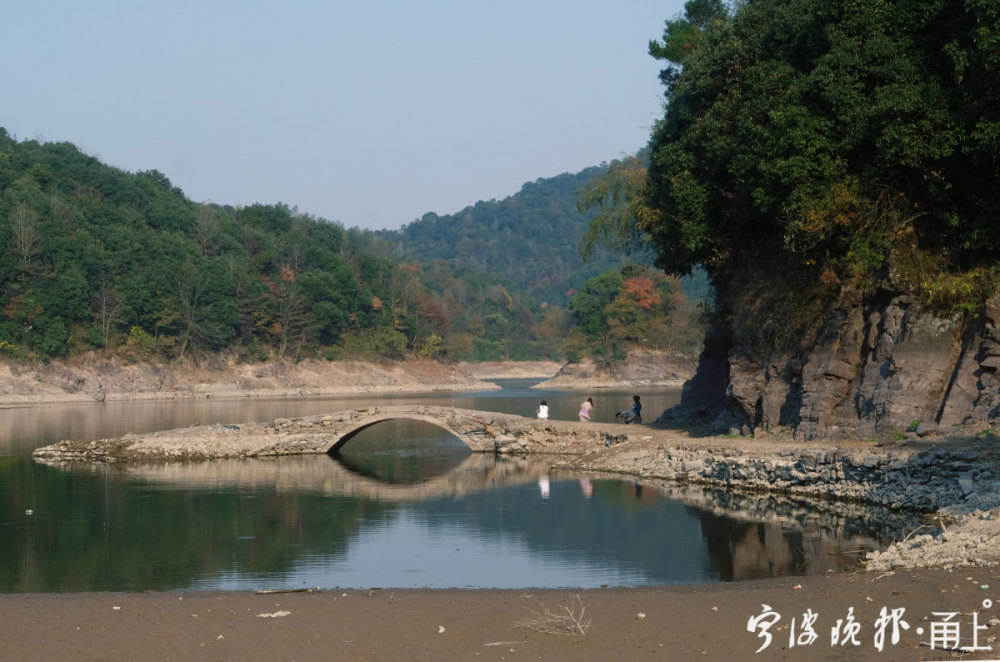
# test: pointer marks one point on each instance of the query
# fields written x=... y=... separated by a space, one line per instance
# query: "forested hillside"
x=531 y=238
x=95 y=259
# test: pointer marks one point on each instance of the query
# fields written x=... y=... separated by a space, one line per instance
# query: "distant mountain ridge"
x=530 y=238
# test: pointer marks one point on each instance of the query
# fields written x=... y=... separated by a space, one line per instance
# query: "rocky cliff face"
x=875 y=369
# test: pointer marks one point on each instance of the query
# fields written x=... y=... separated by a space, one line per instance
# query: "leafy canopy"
x=837 y=133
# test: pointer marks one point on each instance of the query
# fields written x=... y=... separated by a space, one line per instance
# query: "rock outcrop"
x=880 y=369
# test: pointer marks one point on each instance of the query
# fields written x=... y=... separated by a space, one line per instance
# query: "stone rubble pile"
x=972 y=541
x=922 y=482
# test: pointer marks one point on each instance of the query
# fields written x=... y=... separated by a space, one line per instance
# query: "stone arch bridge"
x=483 y=432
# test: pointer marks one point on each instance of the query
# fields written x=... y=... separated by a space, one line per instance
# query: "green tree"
x=328 y=298
x=106 y=304
x=829 y=137
x=619 y=195
x=25 y=239
x=589 y=304
x=682 y=34
x=199 y=311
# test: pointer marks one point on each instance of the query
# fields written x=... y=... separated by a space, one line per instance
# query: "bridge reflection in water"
x=330 y=476
x=689 y=531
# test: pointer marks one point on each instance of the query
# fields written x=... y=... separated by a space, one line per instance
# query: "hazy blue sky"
x=370 y=113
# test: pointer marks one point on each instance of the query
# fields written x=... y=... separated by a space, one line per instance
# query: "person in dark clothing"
x=636 y=411
x=633 y=414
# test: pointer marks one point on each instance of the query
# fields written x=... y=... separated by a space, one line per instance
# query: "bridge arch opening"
x=401 y=451
x=351 y=432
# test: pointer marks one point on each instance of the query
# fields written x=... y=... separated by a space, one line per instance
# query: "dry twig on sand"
x=566 y=618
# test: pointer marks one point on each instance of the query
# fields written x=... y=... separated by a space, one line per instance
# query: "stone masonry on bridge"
x=483 y=432
x=919 y=477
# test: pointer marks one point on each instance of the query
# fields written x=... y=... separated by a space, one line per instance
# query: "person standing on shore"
x=585 y=408
x=636 y=411
x=543 y=410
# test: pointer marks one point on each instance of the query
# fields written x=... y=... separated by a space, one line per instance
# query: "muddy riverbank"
x=705 y=622
x=27 y=384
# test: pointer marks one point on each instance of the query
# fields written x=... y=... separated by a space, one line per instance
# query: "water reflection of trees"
x=92 y=530
x=163 y=526
x=759 y=536
x=674 y=534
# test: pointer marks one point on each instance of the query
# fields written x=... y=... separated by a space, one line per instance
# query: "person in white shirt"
x=543 y=410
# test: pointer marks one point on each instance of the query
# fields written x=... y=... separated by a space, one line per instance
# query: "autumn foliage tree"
x=635 y=306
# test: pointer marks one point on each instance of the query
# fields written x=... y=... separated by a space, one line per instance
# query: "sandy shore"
x=706 y=622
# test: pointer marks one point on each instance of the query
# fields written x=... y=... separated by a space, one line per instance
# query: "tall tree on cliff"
x=819 y=156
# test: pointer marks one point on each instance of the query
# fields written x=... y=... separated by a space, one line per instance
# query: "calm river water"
x=405 y=505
